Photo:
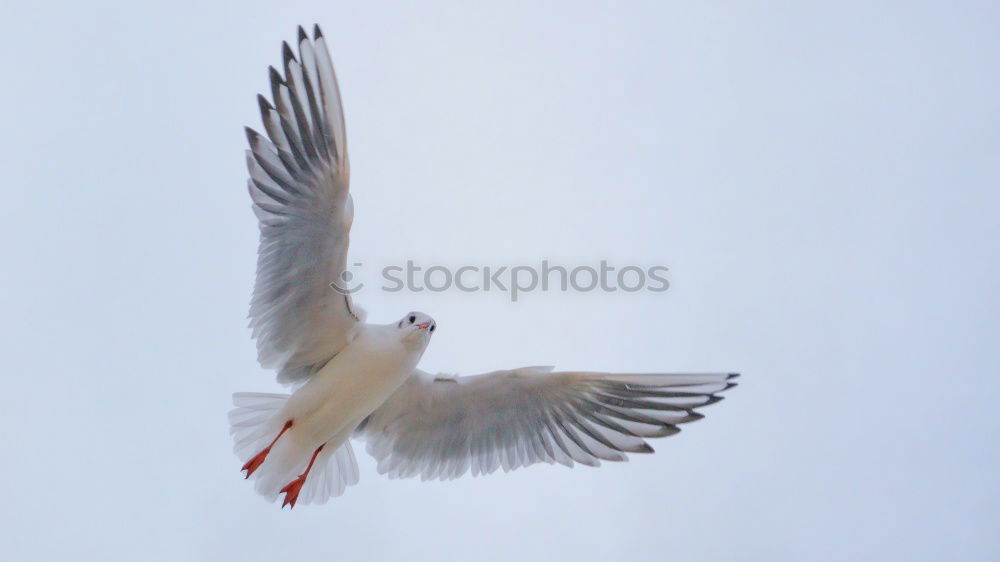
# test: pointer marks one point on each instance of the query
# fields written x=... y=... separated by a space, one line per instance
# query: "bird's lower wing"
x=441 y=427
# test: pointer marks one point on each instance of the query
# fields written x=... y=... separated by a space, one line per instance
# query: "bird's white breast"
x=350 y=386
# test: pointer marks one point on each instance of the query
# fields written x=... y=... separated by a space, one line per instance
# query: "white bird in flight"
x=354 y=379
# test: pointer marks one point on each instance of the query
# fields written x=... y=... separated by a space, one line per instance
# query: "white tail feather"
x=252 y=422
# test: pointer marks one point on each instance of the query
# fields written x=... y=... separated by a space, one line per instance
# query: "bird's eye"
x=433 y=326
x=412 y=319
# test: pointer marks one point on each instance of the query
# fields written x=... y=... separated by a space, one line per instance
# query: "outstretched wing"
x=299 y=179
x=440 y=427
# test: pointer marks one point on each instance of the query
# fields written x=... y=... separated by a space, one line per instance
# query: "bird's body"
x=355 y=379
x=320 y=416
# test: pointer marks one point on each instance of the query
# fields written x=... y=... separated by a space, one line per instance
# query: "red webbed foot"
x=253 y=464
x=292 y=489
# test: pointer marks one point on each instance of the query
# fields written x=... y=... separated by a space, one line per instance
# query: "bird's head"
x=417 y=327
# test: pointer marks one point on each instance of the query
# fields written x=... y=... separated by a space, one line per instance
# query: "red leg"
x=292 y=489
x=258 y=459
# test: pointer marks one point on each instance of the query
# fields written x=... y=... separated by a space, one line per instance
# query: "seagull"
x=352 y=379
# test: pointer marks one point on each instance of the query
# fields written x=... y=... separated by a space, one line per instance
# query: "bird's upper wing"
x=441 y=427
x=299 y=179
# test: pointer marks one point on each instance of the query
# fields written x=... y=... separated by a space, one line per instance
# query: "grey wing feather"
x=299 y=185
x=440 y=427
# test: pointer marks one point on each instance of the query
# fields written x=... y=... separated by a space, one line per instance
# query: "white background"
x=821 y=180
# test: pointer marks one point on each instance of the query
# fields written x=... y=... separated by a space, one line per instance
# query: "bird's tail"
x=274 y=460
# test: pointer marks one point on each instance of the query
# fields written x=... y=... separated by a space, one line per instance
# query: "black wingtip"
x=317 y=32
x=732 y=376
x=286 y=52
x=668 y=430
x=275 y=76
x=252 y=136
x=713 y=400
x=645 y=448
x=265 y=106
x=302 y=34
x=728 y=386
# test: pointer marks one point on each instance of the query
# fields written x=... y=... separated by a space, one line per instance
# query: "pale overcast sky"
x=821 y=180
